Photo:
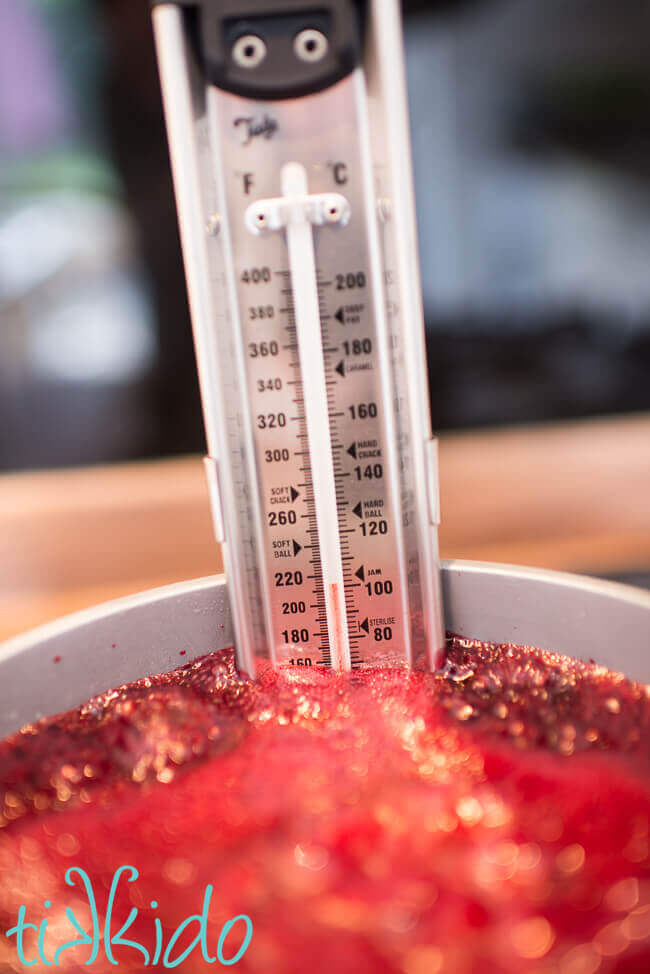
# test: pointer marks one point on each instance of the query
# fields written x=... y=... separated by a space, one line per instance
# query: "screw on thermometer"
x=293 y=149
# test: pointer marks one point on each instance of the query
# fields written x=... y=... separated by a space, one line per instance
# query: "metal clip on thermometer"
x=290 y=152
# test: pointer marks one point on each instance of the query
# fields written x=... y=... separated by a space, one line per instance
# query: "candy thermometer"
x=288 y=133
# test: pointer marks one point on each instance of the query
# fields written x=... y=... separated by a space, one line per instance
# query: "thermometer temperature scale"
x=290 y=152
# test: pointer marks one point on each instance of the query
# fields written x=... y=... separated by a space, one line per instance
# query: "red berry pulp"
x=489 y=818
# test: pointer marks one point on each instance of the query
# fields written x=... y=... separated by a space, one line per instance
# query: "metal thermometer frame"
x=204 y=255
x=391 y=241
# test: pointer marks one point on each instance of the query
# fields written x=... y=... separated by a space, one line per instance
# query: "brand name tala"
x=251 y=128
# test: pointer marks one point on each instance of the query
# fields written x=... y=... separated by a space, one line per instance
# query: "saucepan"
x=60 y=665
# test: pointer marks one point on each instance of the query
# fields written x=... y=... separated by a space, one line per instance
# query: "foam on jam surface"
x=489 y=818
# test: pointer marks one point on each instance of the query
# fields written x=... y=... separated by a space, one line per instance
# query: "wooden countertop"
x=571 y=496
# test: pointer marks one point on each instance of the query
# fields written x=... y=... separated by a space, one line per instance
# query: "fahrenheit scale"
x=290 y=153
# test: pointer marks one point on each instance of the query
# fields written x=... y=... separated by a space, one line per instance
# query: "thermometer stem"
x=302 y=265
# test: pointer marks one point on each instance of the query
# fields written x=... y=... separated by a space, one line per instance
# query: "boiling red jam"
x=489 y=818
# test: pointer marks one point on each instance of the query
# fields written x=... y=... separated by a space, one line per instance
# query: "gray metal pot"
x=59 y=665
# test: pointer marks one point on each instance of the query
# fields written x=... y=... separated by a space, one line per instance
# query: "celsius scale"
x=288 y=131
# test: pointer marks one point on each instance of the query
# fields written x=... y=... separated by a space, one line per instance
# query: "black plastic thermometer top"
x=282 y=49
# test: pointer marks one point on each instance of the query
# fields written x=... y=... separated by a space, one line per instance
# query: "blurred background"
x=531 y=138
